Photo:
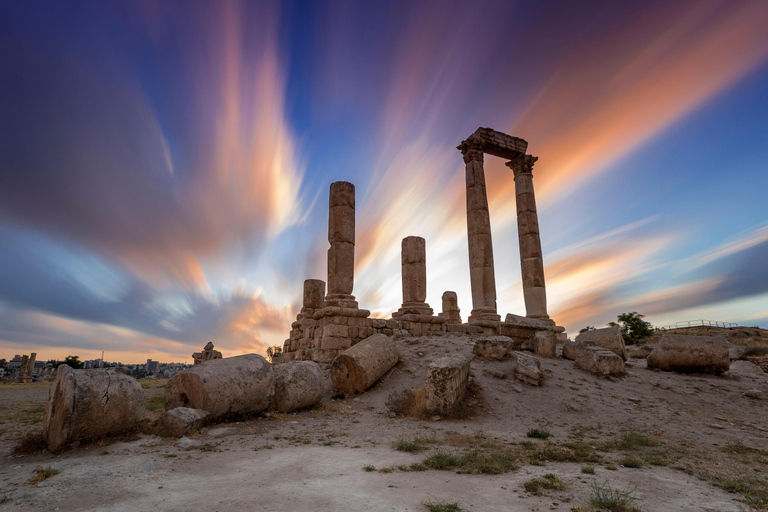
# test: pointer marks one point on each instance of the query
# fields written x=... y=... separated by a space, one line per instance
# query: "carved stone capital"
x=471 y=149
x=522 y=164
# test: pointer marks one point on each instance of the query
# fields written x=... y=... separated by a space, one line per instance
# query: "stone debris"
x=599 y=361
x=298 y=385
x=687 y=354
x=744 y=368
x=207 y=354
x=230 y=386
x=753 y=393
x=177 y=422
x=494 y=348
x=358 y=368
x=451 y=311
x=528 y=369
x=447 y=382
x=89 y=404
x=608 y=337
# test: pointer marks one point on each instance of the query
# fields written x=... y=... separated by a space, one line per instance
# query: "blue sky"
x=164 y=166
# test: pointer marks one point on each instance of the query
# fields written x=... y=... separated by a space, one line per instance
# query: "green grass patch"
x=442 y=506
x=603 y=498
x=28 y=413
x=754 y=491
x=369 y=468
x=155 y=403
x=548 y=482
x=588 y=470
x=539 y=433
x=631 y=462
x=403 y=444
x=633 y=440
x=655 y=458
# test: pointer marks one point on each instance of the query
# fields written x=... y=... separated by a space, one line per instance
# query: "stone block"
x=494 y=348
x=545 y=344
x=609 y=338
x=528 y=369
x=599 y=361
x=447 y=382
x=341 y=224
x=335 y=343
x=177 y=422
x=686 y=354
x=571 y=349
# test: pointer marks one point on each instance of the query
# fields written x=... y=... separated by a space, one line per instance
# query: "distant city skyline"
x=164 y=167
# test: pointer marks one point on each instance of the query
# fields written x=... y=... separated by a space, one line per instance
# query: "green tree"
x=73 y=361
x=587 y=328
x=274 y=352
x=3 y=363
x=633 y=327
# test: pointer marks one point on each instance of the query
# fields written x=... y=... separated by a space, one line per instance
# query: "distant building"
x=151 y=366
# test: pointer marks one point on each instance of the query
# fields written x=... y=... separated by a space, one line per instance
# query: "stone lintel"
x=498 y=144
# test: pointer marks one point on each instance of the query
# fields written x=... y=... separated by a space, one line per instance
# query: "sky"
x=164 y=166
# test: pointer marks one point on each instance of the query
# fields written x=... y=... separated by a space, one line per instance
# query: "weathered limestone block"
x=179 y=421
x=545 y=344
x=571 y=349
x=528 y=369
x=314 y=293
x=599 y=361
x=298 y=385
x=609 y=337
x=493 y=347
x=358 y=368
x=447 y=382
x=89 y=404
x=224 y=387
x=744 y=368
x=685 y=354
x=451 y=311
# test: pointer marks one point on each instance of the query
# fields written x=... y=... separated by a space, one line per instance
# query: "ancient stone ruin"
x=207 y=354
x=27 y=368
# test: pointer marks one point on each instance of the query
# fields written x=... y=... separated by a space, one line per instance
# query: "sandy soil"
x=314 y=460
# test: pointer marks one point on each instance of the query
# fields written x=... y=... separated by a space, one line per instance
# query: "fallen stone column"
x=298 y=385
x=358 y=368
x=687 y=354
x=447 y=382
x=599 y=361
x=89 y=404
x=224 y=387
x=609 y=338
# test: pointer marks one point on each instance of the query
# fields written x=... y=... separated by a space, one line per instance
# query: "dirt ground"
x=704 y=448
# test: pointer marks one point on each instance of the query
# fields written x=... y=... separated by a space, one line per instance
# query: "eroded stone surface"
x=89 y=404
x=451 y=311
x=528 y=369
x=358 y=368
x=447 y=382
x=608 y=337
x=177 y=422
x=545 y=344
x=494 y=348
x=599 y=361
x=685 y=354
x=230 y=386
x=298 y=385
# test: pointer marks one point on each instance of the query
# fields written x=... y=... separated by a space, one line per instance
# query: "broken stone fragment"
x=494 y=348
x=358 y=368
x=599 y=361
x=528 y=369
x=298 y=385
x=447 y=382
x=545 y=344
x=178 y=421
x=230 y=386
x=753 y=393
x=685 y=354
x=609 y=338
x=88 y=404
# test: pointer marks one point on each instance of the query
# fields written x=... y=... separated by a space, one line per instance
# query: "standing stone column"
x=314 y=291
x=481 y=270
x=341 y=255
x=413 y=256
x=451 y=309
x=532 y=264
